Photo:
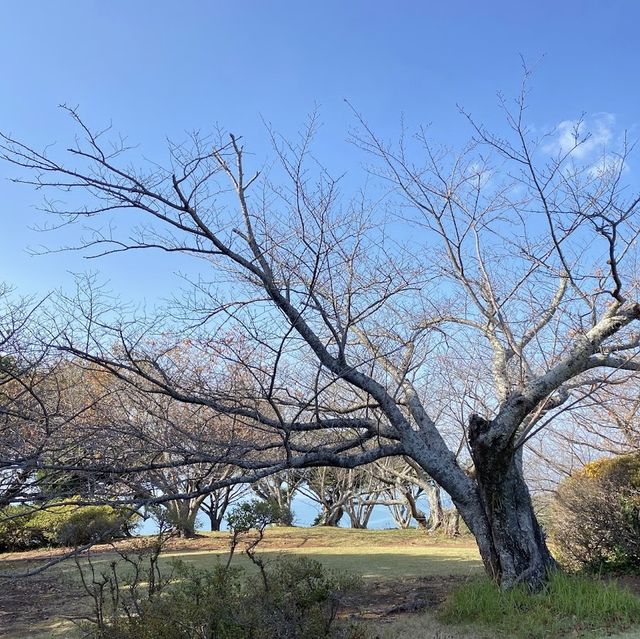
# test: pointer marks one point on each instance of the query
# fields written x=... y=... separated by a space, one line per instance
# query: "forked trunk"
x=182 y=516
x=511 y=542
x=421 y=519
x=330 y=516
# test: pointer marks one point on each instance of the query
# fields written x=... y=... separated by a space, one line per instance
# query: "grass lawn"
x=375 y=554
x=395 y=564
x=371 y=563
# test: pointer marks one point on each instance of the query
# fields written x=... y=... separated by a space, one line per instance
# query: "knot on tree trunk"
x=478 y=425
x=478 y=428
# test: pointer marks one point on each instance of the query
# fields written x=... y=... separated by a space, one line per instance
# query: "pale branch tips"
x=448 y=329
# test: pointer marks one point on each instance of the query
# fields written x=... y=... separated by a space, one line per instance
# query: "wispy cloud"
x=592 y=141
x=607 y=165
x=582 y=138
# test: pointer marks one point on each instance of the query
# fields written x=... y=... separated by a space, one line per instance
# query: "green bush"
x=287 y=598
x=24 y=527
x=71 y=525
x=570 y=605
x=201 y=604
x=256 y=514
x=15 y=532
x=298 y=601
x=596 y=516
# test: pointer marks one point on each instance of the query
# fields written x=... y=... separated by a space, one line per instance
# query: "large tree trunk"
x=215 y=522
x=182 y=516
x=511 y=542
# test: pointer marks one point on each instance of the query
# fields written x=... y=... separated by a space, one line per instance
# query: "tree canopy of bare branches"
x=481 y=294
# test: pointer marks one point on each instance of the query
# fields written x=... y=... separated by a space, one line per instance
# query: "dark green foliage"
x=569 y=605
x=25 y=527
x=253 y=515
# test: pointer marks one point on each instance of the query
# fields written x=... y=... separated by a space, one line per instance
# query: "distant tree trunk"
x=401 y=513
x=215 y=519
x=215 y=523
x=216 y=507
x=421 y=519
x=451 y=522
x=330 y=515
x=359 y=514
x=182 y=514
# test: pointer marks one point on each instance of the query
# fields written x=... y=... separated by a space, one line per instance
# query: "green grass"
x=370 y=563
x=571 y=605
x=372 y=554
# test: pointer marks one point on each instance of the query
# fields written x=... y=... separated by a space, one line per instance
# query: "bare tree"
x=40 y=400
x=406 y=483
x=156 y=434
x=502 y=258
x=217 y=503
x=364 y=497
x=339 y=491
x=325 y=487
x=279 y=490
x=174 y=428
x=22 y=411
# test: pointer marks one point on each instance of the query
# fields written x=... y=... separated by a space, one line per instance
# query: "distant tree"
x=406 y=483
x=40 y=401
x=325 y=486
x=219 y=500
x=279 y=490
x=155 y=432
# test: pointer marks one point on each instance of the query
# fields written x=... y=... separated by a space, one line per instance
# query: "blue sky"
x=159 y=68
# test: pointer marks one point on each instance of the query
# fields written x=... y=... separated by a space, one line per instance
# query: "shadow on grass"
x=374 y=564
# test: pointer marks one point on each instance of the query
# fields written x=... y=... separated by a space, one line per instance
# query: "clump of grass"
x=570 y=604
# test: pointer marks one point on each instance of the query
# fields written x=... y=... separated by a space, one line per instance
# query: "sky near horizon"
x=158 y=69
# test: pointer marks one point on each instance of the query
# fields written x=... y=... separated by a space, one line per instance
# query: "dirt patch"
x=381 y=599
x=35 y=602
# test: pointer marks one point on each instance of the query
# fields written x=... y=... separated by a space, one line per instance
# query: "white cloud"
x=593 y=135
x=607 y=165
x=481 y=172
